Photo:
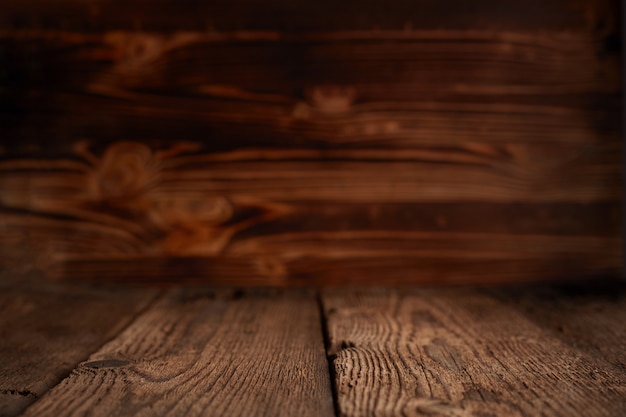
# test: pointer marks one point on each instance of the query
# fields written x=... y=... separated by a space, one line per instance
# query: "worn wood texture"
x=588 y=318
x=298 y=142
x=302 y=15
x=202 y=353
x=46 y=331
x=465 y=353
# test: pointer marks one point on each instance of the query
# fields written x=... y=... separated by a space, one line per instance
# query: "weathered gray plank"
x=45 y=331
x=459 y=353
x=200 y=353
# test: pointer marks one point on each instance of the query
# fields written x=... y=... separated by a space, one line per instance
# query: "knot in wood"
x=136 y=50
x=332 y=99
x=125 y=170
x=209 y=210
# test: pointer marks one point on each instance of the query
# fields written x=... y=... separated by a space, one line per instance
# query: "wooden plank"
x=336 y=260
x=45 y=331
x=101 y=215
x=265 y=73
x=202 y=353
x=130 y=170
x=295 y=143
x=301 y=15
x=368 y=90
x=67 y=247
x=588 y=316
x=459 y=352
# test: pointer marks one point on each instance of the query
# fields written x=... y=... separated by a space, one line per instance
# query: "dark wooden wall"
x=297 y=142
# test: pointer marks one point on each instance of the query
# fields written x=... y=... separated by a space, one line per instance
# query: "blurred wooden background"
x=300 y=142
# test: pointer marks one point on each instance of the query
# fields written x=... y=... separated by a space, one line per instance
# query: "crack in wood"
x=21 y=393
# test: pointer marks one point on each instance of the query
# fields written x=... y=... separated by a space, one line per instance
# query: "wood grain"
x=300 y=15
x=46 y=331
x=271 y=220
x=335 y=261
x=461 y=353
x=587 y=317
x=202 y=353
x=292 y=143
x=389 y=89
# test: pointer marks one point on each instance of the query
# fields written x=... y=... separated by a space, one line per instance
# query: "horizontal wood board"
x=293 y=143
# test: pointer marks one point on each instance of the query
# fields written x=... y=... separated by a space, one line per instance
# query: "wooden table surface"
x=470 y=351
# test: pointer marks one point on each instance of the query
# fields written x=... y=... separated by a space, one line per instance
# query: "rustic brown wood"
x=462 y=352
x=362 y=261
x=292 y=142
x=201 y=353
x=273 y=220
x=587 y=317
x=46 y=331
x=450 y=90
x=302 y=15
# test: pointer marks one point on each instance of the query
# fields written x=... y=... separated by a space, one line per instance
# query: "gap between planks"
x=329 y=357
x=509 y=324
x=47 y=329
x=468 y=352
